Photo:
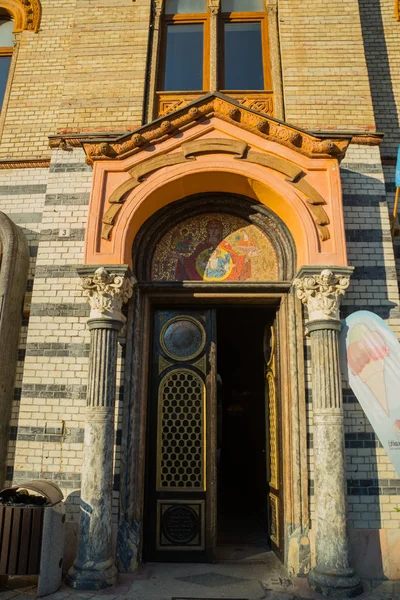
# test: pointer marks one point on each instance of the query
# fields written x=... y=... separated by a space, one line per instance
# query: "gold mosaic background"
x=215 y=247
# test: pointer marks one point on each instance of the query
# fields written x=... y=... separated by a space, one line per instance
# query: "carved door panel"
x=180 y=501
x=274 y=502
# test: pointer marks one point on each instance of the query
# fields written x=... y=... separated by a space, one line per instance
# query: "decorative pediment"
x=26 y=13
x=294 y=175
x=214 y=145
x=225 y=108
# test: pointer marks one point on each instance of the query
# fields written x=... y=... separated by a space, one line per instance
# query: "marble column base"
x=92 y=577
x=336 y=583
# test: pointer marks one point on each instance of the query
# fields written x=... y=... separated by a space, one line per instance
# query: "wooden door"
x=274 y=467
x=181 y=472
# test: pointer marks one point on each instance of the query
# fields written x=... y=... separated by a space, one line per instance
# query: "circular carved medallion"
x=180 y=524
x=182 y=338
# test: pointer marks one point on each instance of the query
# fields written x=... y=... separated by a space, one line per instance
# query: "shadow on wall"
x=368 y=492
x=380 y=80
x=72 y=503
x=33 y=240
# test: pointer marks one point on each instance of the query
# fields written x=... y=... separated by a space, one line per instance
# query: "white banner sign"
x=370 y=362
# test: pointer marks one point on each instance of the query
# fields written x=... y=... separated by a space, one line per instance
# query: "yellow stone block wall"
x=38 y=80
x=84 y=69
x=106 y=68
x=341 y=66
x=325 y=76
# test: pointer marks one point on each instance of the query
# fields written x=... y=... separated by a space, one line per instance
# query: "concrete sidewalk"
x=161 y=581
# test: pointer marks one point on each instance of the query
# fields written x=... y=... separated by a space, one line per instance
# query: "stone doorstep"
x=24 y=588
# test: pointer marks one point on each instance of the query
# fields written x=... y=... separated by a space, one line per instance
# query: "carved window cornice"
x=25 y=13
x=225 y=108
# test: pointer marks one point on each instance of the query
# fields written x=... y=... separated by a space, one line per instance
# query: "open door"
x=273 y=466
x=181 y=473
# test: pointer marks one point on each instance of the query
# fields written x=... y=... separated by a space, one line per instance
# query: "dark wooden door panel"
x=274 y=467
x=181 y=481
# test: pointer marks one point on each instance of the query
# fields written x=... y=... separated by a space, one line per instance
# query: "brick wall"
x=84 y=69
x=325 y=74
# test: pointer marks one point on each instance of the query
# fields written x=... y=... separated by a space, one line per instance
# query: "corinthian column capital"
x=322 y=292
x=106 y=292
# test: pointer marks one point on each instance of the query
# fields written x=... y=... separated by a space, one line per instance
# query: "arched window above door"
x=206 y=46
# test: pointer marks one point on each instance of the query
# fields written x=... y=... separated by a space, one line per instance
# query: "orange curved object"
x=218 y=172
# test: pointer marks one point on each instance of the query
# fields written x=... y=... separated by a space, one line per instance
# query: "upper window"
x=6 y=50
x=243 y=62
x=184 y=53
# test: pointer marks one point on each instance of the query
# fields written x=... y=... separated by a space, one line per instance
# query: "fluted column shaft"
x=97 y=469
x=94 y=566
x=321 y=294
x=330 y=475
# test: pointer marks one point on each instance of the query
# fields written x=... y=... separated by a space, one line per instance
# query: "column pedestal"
x=332 y=575
x=94 y=566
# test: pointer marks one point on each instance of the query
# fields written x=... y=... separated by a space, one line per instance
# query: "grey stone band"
x=323 y=324
x=104 y=324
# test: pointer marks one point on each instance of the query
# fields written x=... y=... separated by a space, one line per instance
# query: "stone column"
x=94 y=566
x=322 y=294
x=213 y=6
x=275 y=57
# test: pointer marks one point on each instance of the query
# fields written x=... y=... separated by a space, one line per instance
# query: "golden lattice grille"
x=181 y=423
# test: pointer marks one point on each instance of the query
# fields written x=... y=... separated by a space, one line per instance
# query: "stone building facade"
x=97 y=166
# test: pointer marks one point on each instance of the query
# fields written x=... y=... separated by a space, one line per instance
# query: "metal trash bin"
x=32 y=517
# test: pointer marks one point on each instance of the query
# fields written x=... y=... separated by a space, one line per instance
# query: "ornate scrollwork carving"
x=26 y=14
x=225 y=109
x=106 y=293
x=322 y=294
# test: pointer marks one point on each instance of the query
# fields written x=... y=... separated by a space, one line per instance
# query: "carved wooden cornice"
x=220 y=106
x=294 y=175
x=26 y=14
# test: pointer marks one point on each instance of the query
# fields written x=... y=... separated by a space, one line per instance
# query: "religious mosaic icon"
x=215 y=247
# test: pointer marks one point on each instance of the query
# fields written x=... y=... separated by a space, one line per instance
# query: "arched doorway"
x=210 y=378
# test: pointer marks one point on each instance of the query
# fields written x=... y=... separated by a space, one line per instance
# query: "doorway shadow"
x=242 y=462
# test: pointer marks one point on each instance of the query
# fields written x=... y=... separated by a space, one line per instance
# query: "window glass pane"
x=242 y=5
x=184 y=58
x=184 y=7
x=6 y=33
x=243 y=56
x=5 y=62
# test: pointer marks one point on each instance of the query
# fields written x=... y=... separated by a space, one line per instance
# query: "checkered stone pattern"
x=46 y=435
x=372 y=485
